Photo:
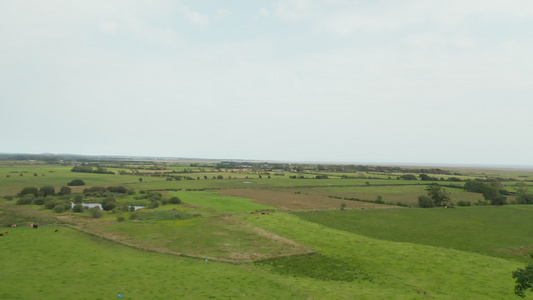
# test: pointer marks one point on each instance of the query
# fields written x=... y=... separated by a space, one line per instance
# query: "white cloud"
x=264 y=13
x=195 y=18
x=355 y=74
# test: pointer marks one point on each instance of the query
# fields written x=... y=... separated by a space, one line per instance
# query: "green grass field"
x=497 y=231
x=43 y=264
x=316 y=252
x=391 y=270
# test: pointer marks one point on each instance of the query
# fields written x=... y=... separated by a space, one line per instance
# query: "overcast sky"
x=447 y=82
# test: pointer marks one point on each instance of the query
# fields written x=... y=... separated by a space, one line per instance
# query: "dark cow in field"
x=34 y=226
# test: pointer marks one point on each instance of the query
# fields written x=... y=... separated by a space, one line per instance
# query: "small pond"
x=91 y=205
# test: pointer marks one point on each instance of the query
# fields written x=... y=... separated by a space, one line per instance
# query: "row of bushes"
x=379 y=200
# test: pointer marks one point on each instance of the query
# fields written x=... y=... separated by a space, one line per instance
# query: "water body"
x=91 y=205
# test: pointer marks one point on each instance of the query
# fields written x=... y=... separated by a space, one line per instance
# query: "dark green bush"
x=47 y=190
x=39 y=200
x=425 y=202
x=175 y=200
x=153 y=204
x=65 y=191
x=78 y=208
x=117 y=189
x=96 y=212
x=59 y=209
x=49 y=203
x=76 y=182
x=28 y=190
x=27 y=199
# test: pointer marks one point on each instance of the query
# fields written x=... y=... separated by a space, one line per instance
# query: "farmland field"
x=214 y=233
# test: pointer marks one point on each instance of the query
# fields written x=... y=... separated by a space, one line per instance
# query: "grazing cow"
x=1 y=234
x=34 y=226
x=14 y=226
x=57 y=230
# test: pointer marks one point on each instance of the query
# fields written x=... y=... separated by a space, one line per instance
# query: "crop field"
x=221 y=203
x=249 y=233
x=297 y=199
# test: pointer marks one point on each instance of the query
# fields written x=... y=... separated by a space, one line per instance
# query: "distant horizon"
x=403 y=164
x=409 y=82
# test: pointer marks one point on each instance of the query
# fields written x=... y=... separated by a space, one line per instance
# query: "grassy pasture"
x=220 y=203
x=405 y=193
x=256 y=183
x=401 y=253
x=216 y=238
x=43 y=264
x=381 y=269
x=497 y=231
x=58 y=176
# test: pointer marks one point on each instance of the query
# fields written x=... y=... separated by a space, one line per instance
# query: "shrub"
x=425 y=202
x=59 y=209
x=153 y=204
x=95 y=190
x=463 y=203
x=78 y=199
x=408 y=177
x=76 y=182
x=47 y=190
x=120 y=219
x=9 y=198
x=117 y=189
x=109 y=205
x=65 y=191
x=28 y=190
x=39 y=200
x=96 y=212
x=27 y=199
x=175 y=200
x=49 y=204
x=78 y=208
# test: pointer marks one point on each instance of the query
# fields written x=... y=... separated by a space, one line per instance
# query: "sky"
x=415 y=81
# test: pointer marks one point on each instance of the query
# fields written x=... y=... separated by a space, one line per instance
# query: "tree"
x=47 y=190
x=474 y=186
x=492 y=193
x=78 y=208
x=26 y=199
x=174 y=200
x=343 y=206
x=439 y=195
x=140 y=180
x=65 y=191
x=524 y=280
x=76 y=182
x=522 y=190
x=78 y=199
x=426 y=177
x=82 y=169
x=28 y=190
x=425 y=202
x=109 y=203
